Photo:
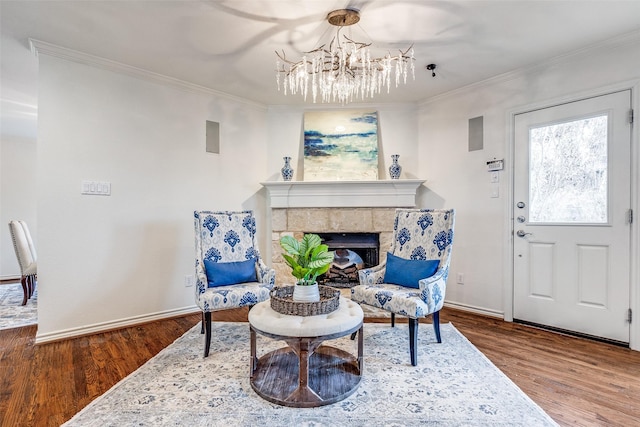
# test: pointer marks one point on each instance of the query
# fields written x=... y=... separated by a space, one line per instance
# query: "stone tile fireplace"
x=335 y=207
x=297 y=221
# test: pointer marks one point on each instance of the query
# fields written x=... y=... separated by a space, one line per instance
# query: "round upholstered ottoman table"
x=307 y=373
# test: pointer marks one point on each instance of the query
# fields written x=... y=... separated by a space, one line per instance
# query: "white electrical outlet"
x=189 y=280
x=460 y=278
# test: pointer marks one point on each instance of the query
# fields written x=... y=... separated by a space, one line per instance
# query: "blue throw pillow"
x=407 y=272
x=230 y=273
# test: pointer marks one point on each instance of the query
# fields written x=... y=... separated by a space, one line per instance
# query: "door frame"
x=508 y=232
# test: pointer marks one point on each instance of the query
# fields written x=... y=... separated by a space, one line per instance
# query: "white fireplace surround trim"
x=336 y=194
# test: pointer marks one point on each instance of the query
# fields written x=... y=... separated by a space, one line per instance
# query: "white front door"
x=572 y=195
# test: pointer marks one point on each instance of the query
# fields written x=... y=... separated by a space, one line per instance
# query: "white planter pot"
x=306 y=293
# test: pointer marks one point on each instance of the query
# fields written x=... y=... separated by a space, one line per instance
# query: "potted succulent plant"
x=308 y=259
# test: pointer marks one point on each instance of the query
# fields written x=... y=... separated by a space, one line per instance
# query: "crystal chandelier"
x=345 y=70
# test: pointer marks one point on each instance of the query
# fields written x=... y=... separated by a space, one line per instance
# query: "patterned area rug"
x=12 y=314
x=453 y=385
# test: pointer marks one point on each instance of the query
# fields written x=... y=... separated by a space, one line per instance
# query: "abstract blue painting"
x=340 y=146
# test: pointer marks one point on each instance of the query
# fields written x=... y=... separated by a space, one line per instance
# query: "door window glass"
x=568 y=172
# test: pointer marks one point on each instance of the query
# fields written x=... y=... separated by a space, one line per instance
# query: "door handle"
x=521 y=233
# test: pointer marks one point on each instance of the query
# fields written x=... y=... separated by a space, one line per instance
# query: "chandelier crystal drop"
x=344 y=71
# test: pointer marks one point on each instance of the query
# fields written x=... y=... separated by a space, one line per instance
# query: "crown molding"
x=612 y=43
x=39 y=47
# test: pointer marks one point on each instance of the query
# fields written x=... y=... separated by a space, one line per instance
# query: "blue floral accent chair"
x=223 y=238
x=419 y=235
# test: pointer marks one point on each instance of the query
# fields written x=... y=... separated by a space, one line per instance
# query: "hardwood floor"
x=578 y=382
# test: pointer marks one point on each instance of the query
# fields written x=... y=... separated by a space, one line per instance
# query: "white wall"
x=459 y=179
x=17 y=196
x=112 y=260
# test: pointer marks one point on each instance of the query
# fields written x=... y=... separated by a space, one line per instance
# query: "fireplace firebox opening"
x=353 y=252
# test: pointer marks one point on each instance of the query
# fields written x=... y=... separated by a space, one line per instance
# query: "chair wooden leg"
x=32 y=285
x=25 y=289
x=202 y=324
x=413 y=341
x=207 y=337
x=393 y=320
x=436 y=325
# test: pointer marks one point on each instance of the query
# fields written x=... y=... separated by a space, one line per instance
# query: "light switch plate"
x=96 y=188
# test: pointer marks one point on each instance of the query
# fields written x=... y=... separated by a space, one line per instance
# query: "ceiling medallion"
x=344 y=71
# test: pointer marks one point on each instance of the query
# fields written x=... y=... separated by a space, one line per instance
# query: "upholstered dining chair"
x=27 y=234
x=32 y=279
x=229 y=270
x=26 y=262
x=413 y=279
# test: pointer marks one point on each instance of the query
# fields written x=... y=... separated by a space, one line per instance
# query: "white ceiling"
x=229 y=46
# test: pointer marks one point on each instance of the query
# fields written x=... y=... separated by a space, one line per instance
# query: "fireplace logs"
x=353 y=252
x=344 y=269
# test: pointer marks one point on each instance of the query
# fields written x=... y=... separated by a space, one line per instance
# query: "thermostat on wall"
x=495 y=165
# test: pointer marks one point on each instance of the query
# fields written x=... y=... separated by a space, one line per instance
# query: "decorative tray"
x=282 y=302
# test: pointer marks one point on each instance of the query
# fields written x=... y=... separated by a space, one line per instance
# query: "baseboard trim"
x=476 y=310
x=112 y=325
x=136 y=320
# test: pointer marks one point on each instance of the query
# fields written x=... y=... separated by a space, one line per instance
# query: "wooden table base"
x=306 y=374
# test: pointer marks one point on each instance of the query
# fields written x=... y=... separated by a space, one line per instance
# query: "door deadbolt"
x=521 y=219
x=520 y=205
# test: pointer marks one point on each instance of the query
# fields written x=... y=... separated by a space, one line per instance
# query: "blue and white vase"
x=287 y=170
x=395 y=169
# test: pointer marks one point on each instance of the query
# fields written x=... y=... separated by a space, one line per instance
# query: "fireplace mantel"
x=329 y=194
